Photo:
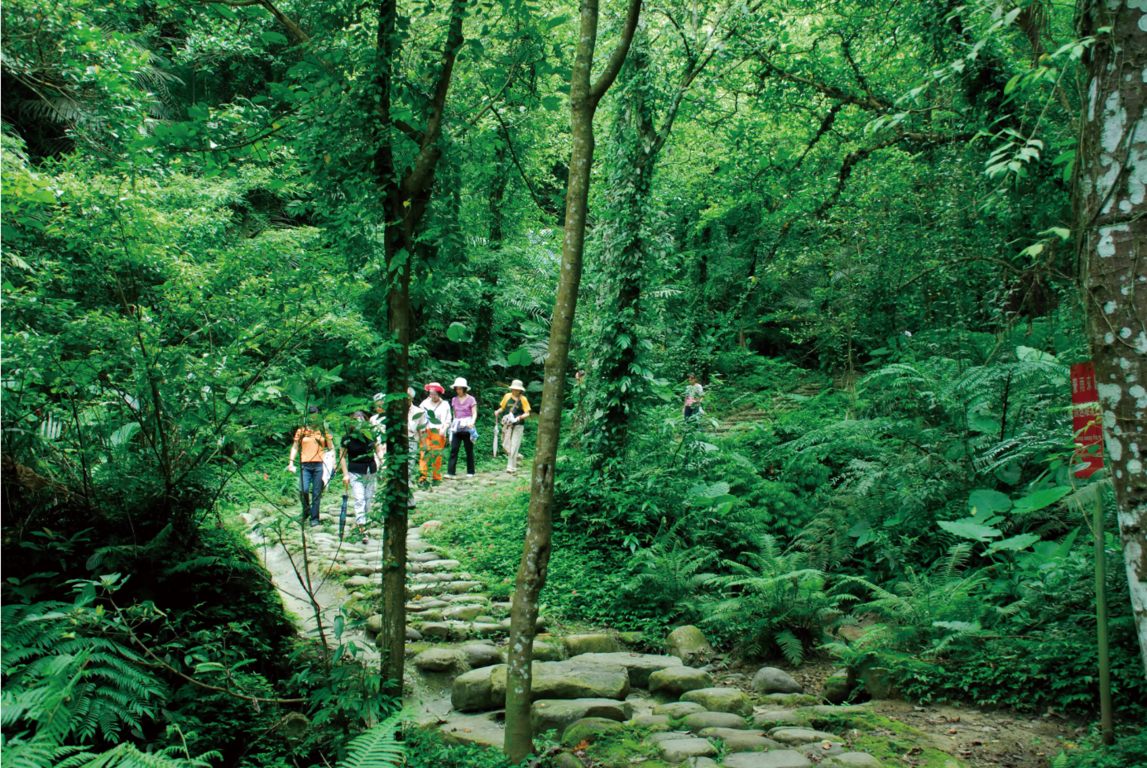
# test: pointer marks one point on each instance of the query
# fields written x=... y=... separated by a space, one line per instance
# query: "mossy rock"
x=889 y=749
x=631 y=639
x=721 y=700
x=789 y=700
x=590 y=730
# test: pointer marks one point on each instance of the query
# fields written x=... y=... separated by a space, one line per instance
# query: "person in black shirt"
x=360 y=456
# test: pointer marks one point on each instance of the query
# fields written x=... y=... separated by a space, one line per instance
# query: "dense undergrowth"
x=932 y=510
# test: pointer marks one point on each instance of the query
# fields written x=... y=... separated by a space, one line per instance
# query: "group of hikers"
x=430 y=426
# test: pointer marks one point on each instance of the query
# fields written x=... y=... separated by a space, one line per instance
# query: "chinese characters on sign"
x=1086 y=420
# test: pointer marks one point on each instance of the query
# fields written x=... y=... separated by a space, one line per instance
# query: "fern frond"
x=791 y=647
x=377 y=747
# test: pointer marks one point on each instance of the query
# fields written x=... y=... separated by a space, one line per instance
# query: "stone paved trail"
x=607 y=704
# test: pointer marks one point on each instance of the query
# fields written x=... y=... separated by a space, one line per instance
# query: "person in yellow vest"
x=517 y=410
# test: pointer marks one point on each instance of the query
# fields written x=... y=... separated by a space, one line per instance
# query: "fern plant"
x=774 y=602
x=376 y=747
x=110 y=689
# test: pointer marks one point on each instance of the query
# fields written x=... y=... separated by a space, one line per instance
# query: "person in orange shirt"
x=312 y=440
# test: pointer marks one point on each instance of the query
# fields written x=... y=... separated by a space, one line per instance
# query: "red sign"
x=1086 y=420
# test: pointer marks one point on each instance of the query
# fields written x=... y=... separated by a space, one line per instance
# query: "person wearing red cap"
x=436 y=418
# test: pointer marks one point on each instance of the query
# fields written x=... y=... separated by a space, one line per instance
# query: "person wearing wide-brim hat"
x=462 y=429
x=437 y=419
x=517 y=410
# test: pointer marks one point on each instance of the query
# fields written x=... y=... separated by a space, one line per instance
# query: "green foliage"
x=427 y=749
x=772 y=602
x=54 y=652
x=1128 y=750
x=376 y=747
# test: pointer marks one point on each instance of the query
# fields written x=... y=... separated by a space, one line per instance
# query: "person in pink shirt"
x=462 y=428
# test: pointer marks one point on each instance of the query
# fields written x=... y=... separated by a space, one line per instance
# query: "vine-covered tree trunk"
x=630 y=175
x=531 y=578
x=1111 y=221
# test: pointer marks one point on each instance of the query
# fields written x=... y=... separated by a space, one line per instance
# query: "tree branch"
x=161 y=663
x=613 y=66
x=868 y=102
x=423 y=171
x=514 y=156
x=852 y=158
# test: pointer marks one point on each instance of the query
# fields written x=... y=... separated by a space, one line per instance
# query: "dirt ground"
x=981 y=737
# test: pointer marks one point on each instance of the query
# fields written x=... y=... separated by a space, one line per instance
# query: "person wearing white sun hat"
x=462 y=430
x=517 y=409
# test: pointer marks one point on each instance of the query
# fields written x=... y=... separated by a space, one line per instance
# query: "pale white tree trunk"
x=1111 y=221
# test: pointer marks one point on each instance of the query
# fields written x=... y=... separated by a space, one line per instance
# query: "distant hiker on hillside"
x=694 y=394
x=360 y=456
x=311 y=439
x=462 y=429
x=436 y=424
x=517 y=409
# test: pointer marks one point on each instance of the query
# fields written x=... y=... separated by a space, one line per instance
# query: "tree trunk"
x=531 y=577
x=405 y=197
x=397 y=488
x=1111 y=227
x=625 y=256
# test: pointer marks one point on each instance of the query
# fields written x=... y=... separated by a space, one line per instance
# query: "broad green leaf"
x=1015 y=543
x=456 y=332
x=1041 y=499
x=985 y=502
x=967 y=529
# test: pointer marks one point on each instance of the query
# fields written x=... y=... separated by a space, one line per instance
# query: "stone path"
x=607 y=704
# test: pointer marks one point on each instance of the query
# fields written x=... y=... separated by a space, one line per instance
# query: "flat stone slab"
x=474 y=690
x=802 y=736
x=721 y=700
x=463 y=612
x=788 y=700
x=589 y=729
x=657 y=738
x=774 y=717
x=823 y=749
x=458 y=587
x=699 y=721
x=651 y=721
x=741 y=741
x=639 y=665
x=481 y=655
x=852 y=760
x=556 y=714
x=777 y=758
x=440 y=565
x=465 y=598
x=439 y=660
x=773 y=680
x=435 y=629
x=474 y=729
x=567 y=680
x=579 y=644
x=680 y=750
x=678 y=709
x=677 y=680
